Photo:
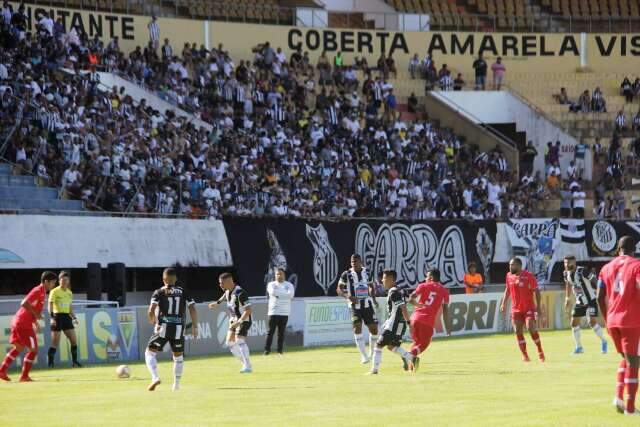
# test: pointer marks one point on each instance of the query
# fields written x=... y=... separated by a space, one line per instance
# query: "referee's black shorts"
x=63 y=322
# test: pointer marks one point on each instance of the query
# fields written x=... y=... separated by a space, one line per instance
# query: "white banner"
x=44 y=241
x=328 y=320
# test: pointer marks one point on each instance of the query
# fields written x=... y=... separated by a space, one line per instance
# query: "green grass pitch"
x=464 y=381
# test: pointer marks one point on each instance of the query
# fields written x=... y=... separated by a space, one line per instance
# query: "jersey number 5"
x=430 y=298
x=174 y=304
x=618 y=286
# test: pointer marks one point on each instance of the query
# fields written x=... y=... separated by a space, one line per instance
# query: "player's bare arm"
x=505 y=299
x=151 y=313
x=602 y=300
x=217 y=302
x=52 y=319
x=372 y=292
x=538 y=301
x=193 y=312
x=245 y=315
x=405 y=315
x=73 y=315
x=413 y=300
x=446 y=319
x=342 y=292
x=567 y=290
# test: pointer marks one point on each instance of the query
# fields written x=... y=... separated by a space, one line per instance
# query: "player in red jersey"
x=619 y=300
x=521 y=287
x=24 y=326
x=428 y=297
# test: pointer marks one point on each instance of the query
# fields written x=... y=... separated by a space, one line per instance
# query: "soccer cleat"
x=25 y=379
x=635 y=413
x=246 y=371
x=266 y=353
x=175 y=387
x=541 y=357
x=280 y=354
x=372 y=372
x=364 y=360
x=604 y=347
x=153 y=385
x=405 y=364
x=76 y=365
x=578 y=350
x=525 y=358
x=4 y=376
x=415 y=363
x=619 y=404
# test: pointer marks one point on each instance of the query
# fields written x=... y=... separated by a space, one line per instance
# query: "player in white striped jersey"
x=395 y=326
x=581 y=283
x=356 y=286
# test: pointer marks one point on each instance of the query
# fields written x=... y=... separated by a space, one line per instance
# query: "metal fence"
x=278 y=15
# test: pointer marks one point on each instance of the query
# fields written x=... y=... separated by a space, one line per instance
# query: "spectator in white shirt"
x=578 y=203
x=280 y=295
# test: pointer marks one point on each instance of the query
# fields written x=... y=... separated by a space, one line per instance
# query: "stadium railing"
x=280 y=15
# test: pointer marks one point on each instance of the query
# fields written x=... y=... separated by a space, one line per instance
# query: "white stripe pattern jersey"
x=357 y=284
x=154 y=31
x=395 y=301
x=582 y=285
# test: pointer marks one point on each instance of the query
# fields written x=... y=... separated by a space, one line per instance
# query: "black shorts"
x=583 y=310
x=63 y=322
x=365 y=315
x=389 y=338
x=243 y=329
x=167 y=333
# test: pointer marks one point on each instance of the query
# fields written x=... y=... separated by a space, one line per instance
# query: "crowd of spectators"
x=288 y=137
x=586 y=103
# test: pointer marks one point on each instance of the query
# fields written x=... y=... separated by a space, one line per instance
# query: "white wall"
x=503 y=107
x=44 y=241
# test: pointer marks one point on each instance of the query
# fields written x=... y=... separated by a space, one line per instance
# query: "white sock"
x=178 y=366
x=402 y=352
x=244 y=350
x=372 y=344
x=234 y=349
x=377 y=358
x=576 y=336
x=152 y=364
x=598 y=331
x=360 y=344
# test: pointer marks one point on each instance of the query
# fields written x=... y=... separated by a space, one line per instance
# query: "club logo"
x=325 y=260
x=604 y=237
x=127 y=326
x=484 y=247
x=277 y=259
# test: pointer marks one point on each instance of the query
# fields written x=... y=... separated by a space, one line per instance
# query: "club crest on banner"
x=604 y=238
x=325 y=260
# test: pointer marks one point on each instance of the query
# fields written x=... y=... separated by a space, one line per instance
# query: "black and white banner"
x=315 y=253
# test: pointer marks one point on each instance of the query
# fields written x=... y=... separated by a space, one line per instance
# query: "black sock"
x=74 y=353
x=51 y=355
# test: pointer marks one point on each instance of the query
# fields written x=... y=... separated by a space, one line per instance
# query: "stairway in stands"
x=19 y=193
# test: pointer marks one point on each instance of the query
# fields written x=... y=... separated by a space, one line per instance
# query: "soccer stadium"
x=319 y=212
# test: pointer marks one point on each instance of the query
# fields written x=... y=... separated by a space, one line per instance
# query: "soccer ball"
x=123 y=371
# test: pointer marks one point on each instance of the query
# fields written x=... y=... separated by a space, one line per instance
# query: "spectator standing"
x=627 y=90
x=280 y=294
x=473 y=281
x=154 y=33
x=578 y=203
x=414 y=66
x=498 y=70
x=621 y=122
x=565 y=201
x=480 y=67
x=579 y=157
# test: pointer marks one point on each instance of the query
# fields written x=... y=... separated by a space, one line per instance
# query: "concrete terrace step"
x=40 y=204
x=5 y=169
x=18 y=181
x=24 y=192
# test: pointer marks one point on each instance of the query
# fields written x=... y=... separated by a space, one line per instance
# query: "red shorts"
x=627 y=340
x=421 y=333
x=523 y=316
x=25 y=337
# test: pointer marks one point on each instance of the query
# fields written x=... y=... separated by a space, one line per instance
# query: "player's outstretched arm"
x=217 y=302
x=446 y=319
x=193 y=312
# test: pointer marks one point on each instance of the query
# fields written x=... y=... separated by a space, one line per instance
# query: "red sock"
x=522 y=344
x=620 y=379
x=8 y=360
x=631 y=381
x=536 y=339
x=27 y=363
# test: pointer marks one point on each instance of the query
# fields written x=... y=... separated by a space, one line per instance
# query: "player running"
x=394 y=328
x=356 y=285
x=167 y=312
x=428 y=297
x=521 y=286
x=239 y=311
x=619 y=300
x=24 y=327
x=582 y=285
